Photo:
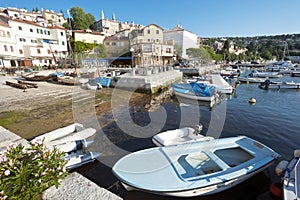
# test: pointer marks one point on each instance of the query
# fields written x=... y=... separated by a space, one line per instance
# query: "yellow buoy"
x=252 y=100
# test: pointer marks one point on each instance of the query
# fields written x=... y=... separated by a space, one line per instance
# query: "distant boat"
x=180 y=136
x=279 y=85
x=103 y=81
x=38 y=76
x=194 y=169
x=256 y=73
x=295 y=74
x=251 y=79
x=195 y=91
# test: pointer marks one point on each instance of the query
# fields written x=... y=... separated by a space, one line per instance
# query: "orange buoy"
x=276 y=190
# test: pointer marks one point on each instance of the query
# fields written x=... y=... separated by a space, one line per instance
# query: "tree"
x=178 y=52
x=199 y=53
x=81 y=20
x=100 y=51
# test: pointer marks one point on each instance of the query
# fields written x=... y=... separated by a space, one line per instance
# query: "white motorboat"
x=79 y=158
x=180 y=136
x=256 y=73
x=73 y=146
x=290 y=171
x=251 y=79
x=279 y=85
x=194 y=169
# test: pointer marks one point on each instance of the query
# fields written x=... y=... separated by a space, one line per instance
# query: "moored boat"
x=194 y=169
x=291 y=184
x=195 y=91
x=78 y=158
x=279 y=85
x=258 y=74
x=251 y=79
x=180 y=136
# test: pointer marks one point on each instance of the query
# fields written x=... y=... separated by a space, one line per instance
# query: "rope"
x=116 y=184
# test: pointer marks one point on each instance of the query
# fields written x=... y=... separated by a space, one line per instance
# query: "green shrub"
x=25 y=172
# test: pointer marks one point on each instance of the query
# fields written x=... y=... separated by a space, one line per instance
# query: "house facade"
x=33 y=44
x=149 y=48
x=182 y=38
x=110 y=27
x=88 y=36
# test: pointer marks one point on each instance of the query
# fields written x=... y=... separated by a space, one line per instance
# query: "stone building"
x=149 y=48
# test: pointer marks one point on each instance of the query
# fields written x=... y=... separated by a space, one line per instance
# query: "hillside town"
x=39 y=39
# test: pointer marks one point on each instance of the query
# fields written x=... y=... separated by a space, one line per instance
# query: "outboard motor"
x=281 y=167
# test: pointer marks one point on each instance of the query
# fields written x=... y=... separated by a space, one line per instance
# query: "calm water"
x=274 y=120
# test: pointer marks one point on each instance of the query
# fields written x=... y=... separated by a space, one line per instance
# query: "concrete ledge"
x=75 y=186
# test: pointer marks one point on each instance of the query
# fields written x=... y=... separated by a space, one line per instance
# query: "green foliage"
x=213 y=55
x=178 y=52
x=66 y=25
x=80 y=19
x=26 y=172
x=100 y=51
x=199 y=53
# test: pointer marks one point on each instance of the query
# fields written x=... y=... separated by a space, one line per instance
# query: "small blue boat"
x=196 y=91
x=103 y=81
x=194 y=169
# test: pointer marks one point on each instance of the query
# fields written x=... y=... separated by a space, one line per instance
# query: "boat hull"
x=291 y=180
x=209 y=190
x=194 y=169
x=195 y=97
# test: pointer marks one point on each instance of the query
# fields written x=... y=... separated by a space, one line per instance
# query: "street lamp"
x=132 y=51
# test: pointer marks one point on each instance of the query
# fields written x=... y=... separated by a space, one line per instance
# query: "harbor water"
x=272 y=120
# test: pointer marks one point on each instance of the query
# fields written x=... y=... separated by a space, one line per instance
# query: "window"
x=33 y=41
x=11 y=48
x=63 y=42
x=113 y=43
x=62 y=33
x=147 y=48
x=148 y=31
x=8 y=34
x=157 y=40
x=38 y=51
x=20 y=51
x=5 y=48
x=45 y=32
x=48 y=51
x=149 y=40
x=22 y=40
x=48 y=32
x=95 y=41
x=157 y=31
x=168 y=50
x=2 y=34
x=20 y=28
x=52 y=16
x=31 y=30
x=107 y=43
x=37 y=30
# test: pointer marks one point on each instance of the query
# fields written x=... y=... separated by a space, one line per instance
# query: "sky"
x=206 y=18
